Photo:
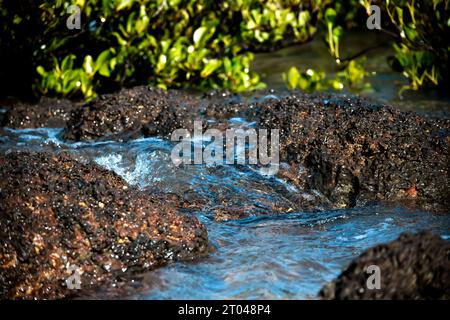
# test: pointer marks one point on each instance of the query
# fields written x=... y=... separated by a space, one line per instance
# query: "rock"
x=411 y=267
x=355 y=151
x=48 y=113
x=351 y=150
x=56 y=212
x=131 y=113
x=3 y=116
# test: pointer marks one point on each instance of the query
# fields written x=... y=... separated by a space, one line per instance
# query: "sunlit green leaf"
x=293 y=77
x=210 y=67
x=330 y=16
x=122 y=4
x=88 y=65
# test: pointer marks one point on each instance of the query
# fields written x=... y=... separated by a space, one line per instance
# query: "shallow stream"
x=262 y=257
x=275 y=256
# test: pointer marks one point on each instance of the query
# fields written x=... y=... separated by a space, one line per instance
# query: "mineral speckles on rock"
x=411 y=267
x=352 y=151
x=48 y=113
x=131 y=113
x=355 y=151
x=57 y=212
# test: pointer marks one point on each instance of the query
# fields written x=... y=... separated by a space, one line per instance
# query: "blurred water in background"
x=385 y=83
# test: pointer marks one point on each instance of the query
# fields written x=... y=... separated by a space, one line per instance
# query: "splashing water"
x=260 y=257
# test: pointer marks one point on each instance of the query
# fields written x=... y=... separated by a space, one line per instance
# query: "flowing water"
x=274 y=256
x=262 y=257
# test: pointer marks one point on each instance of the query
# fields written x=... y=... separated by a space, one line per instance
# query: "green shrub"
x=203 y=43
x=168 y=43
x=352 y=77
x=419 y=30
x=423 y=45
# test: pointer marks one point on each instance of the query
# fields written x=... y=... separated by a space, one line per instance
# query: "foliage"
x=334 y=32
x=204 y=43
x=423 y=48
x=351 y=77
x=420 y=31
x=168 y=43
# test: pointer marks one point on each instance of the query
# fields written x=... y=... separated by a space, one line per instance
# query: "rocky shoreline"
x=352 y=150
x=57 y=211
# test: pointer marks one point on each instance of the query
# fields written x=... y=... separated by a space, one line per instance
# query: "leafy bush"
x=203 y=43
x=419 y=29
x=423 y=45
x=168 y=43
x=352 y=77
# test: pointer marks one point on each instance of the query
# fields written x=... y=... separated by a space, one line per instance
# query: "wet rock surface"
x=411 y=267
x=48 y=113
x=131 y=113
x=351 y=150
x=336 y=152
x=56 y=212
x=355 y=151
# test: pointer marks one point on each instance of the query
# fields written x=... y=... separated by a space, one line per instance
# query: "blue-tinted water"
x=283 y=257
x=261 y=257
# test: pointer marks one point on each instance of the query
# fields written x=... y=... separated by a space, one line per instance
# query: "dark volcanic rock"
x=351 y=150
x=355 y=151
x=56 y=212
x=48 y=113
x=411 y=267
x=131 y=113
x=3 y=117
